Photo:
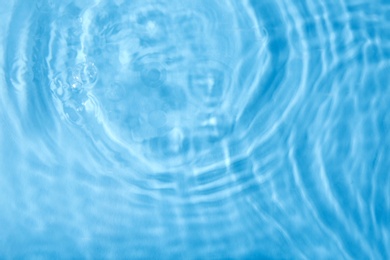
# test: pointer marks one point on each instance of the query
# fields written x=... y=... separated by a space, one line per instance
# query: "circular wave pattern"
x=205 y=129
x=161 y=95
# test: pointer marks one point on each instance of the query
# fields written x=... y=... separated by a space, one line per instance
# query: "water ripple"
x=207 y=129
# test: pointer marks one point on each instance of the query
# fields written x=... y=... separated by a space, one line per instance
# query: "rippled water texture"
x=195 y=129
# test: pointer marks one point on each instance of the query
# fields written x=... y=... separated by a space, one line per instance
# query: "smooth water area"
x=205 y=129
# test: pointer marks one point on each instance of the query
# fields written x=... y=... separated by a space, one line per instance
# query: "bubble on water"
x=71 y=88
x=90 y=72
x=82 y=75
x=60 y=89
x=152 y=93
x=74 y=80
x=153 y=75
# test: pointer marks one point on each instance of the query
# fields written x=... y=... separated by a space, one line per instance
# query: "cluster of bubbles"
x=200 y=128
x=162 y=82
x=71 y=90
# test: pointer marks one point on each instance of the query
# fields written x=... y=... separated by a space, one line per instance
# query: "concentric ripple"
x=160 y=96
x=194 y=129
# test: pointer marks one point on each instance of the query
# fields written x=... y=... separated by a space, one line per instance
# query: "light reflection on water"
x=206 y=129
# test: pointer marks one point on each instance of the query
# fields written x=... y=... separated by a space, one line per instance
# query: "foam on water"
x=195 y=129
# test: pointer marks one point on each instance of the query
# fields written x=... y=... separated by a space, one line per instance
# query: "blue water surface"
x=203 y=129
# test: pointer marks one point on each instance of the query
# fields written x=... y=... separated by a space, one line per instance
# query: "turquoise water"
x=204 y=129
